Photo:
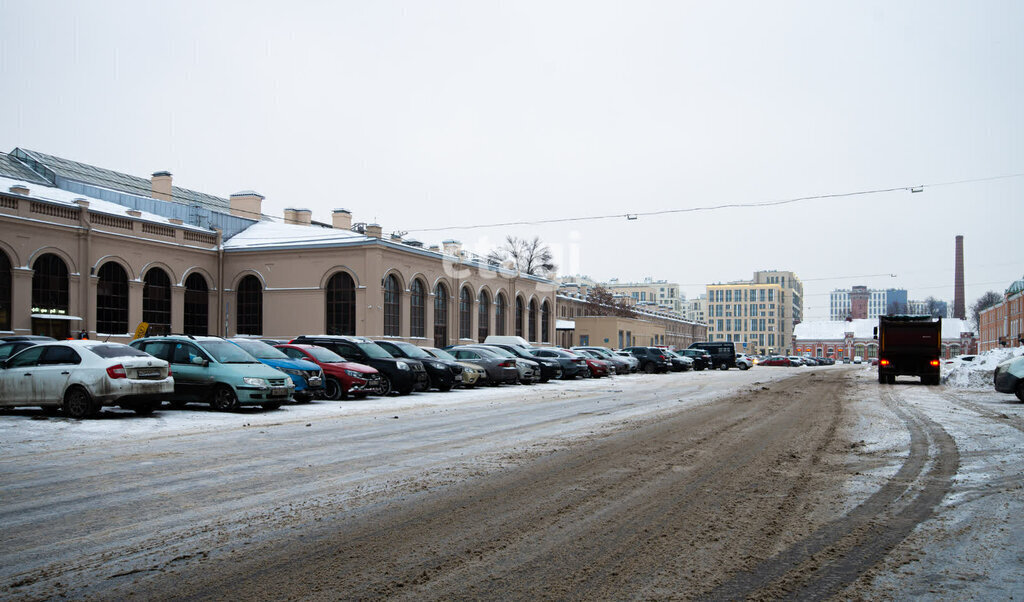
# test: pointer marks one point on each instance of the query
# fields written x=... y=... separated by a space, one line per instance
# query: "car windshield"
x=325 y=355
x=226 y=352
x=374 y=350
x=500 y=352
x=413 y=351
x=109 y=350
x=601 y=352
x=441 y=354
x=259 y=349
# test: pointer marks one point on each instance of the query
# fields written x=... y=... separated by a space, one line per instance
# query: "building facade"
x=577 y=325
x=87 y=251
x=1002 y=325
x=860 y=302
x=696 y=310
x=757 y=314
x=651 y=294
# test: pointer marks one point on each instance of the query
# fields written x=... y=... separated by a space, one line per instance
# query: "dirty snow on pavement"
x=973 y=546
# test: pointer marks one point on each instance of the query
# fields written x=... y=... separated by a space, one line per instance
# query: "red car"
x=597 y=367
x=341 y=377
x=776 y=361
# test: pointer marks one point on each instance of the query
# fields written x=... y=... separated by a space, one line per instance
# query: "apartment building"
x=649 y=294
x=758 y=314
x=1002 y=325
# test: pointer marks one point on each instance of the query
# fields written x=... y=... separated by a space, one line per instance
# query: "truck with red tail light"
x=909 y=346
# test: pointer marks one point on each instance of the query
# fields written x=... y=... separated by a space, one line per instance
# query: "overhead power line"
x=915 y=188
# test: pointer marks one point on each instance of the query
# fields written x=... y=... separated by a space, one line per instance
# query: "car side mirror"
x=200 y=361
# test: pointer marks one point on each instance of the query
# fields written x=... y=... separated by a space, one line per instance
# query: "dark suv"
x=401 y=375
x=701 y=358
x=723 y=353
x=651 y=359
x=444 y=374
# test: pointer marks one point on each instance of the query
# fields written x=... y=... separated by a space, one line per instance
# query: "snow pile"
x=979 y=373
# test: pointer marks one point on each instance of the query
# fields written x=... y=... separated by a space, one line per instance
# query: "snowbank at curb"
x=978 y=373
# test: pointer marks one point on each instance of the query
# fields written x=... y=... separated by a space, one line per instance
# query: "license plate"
x=144 y=372
x=278 y=391
x=315 y=381
x=458 y=378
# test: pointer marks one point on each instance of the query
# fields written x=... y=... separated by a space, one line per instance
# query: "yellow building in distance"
x=758 y=314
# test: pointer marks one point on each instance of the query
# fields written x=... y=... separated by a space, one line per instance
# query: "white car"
x=744 y=361
x=858 y=359
x=81 y=377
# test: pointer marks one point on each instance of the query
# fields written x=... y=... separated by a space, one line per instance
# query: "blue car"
x=307 y=376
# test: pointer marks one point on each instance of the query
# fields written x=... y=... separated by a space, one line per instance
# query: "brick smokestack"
x=959 y=311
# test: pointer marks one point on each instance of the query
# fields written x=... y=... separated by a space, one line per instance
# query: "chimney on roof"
x=341 y=219
x=247 y=203
x=19 y=189
x=452 y=247
x=374 y=230
x=301 y=217
x=162 y=185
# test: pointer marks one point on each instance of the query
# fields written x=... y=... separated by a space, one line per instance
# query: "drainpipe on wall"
x=222 y=324
x=85 y=265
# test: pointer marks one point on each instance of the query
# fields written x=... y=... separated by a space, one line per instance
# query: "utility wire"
x=633 y=216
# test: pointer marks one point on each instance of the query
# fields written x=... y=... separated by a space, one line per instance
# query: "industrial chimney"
x=959 y=311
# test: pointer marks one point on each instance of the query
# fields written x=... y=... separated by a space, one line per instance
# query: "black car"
x=401 y=375
x=500 y=369
x=549 y=367
x=723 y=353
x=443 y=374
x=572 y=364
x=651 y=359
x=679 y=363
x=10 y=345
x=701 y=359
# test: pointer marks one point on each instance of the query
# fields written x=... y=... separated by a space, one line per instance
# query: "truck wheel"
x=883 y=379
x=724 y=366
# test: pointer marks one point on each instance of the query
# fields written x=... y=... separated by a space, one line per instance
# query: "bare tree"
x=935 y=308
x=601 y=302
x=528 y=256
x=984 y=302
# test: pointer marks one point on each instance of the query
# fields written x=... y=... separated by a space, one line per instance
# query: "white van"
x=505 y=340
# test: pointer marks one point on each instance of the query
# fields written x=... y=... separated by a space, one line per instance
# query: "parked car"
x=634 y=364
x=443 y=374
x=744 y=362
x=472 y=374
x=796 y=360
x=1009 y=377
x=857 y=359
x=595 y=365
x=825 y=361
x=680 y=363
x=809 y=361
x=549 y=368
x=497 y=339
x=572 y=364
x=500 y=369
x=10 y=345
x=701 y=358
x=80 y=377
x=651 y=359
x=529 y=370
x=622 y=364
x=341 y=377
x=396 y=375
x=216 y=371
x=307 y=376
x=776 y=360
x=723 y=353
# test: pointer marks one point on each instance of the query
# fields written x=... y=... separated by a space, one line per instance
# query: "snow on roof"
x=826 y=330
x=278 y=235
x=565 y=324
x=65 y=197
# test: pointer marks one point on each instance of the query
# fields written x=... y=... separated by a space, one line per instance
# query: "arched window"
x=392 y=307
x=417 y=309
x=500 y=314
x=112 y=299
x=483 y=319
x=545 y=321
x=249 y=299
x=5 y=292
x=519 y=316
x=440 y=315
x=533 y=320
x=465 y=314
x=156 y=301
x=197 y=301
x=341 y=304
x=50 y=295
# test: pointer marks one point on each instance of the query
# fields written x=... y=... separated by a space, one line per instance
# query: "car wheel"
x=78 y=404
x=271 y=405
x=445 y=387
x=650 y=368
x=1020 y=390
x=333 y=389
x=743 y=366
x=224 y=399
x=385 y=385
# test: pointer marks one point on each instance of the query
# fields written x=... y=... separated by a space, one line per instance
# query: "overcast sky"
x=433 y=114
